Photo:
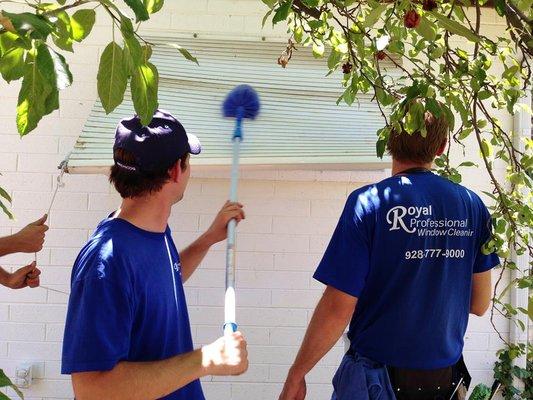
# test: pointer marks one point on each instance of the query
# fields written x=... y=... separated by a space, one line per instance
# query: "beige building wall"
x=291 y=215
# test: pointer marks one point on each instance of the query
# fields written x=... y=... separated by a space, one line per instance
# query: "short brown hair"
x=406 y=147
x=130 y=182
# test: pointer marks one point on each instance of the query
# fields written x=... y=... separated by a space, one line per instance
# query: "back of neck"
x=400 y=166
x=148 y=213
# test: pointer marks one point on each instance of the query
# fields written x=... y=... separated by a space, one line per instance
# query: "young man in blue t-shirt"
x=127 y=333
x=404 y=267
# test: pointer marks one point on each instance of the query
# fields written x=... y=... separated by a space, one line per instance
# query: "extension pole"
x=230 y=324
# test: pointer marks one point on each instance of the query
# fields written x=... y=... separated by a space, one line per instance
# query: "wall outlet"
x=24 y=375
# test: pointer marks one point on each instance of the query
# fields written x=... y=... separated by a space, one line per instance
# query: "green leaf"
x=299 y=34
x=348 y=96
x=53 y=67
x=455 y=177
x=138 y=7
x=265 y=19
x=52 y=102
x=63 y=76
x=334 y=59
x=32 y=96
x=465 y=133
x=437 y=52
x=4 y=396
x=427 y=29
x=510 y=72
x=455 y=27
x=6 y=382
x=63 y=35
x=112 y=77
x=147 y=52
x=383 y=96
x=153 y=6
x=270 y=3
x=38 y=26
x=282 y=12
x=82 y=22
x=5 y=195
x=184 y=52
x=484 y=94
x=10 y=216
x=12 y=64
x=131 y=42
x=144 y=84
x=373 y=16
x=8 y=41
x=318 y=49
x=450 y=118
x=500 y=5
x=433 y=107
x=486 y=148
x=45 y=64
x=381 y=146
x=414 y=118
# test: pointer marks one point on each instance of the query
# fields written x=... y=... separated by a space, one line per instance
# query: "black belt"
x=436 y=384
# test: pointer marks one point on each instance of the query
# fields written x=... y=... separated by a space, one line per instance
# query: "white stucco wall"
x=291 y=215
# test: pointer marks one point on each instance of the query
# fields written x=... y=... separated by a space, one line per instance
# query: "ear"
x=442 y=148
x=175 y=172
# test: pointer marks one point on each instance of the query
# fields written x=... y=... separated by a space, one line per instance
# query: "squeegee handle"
x=230 y=325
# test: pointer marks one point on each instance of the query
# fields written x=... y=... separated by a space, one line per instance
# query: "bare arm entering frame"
x=156 y=379
x=29 y=239
x=481 y=293
x=192 y=256
x=331 y=316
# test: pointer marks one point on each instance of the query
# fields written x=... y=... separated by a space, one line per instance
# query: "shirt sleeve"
x=484 y=262
x=346 y=262
x=98 y=326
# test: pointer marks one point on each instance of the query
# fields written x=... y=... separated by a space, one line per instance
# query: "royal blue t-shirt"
x=407 y=247
x=127 y=303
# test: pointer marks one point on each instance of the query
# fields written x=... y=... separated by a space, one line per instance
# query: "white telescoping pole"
x=230 y=324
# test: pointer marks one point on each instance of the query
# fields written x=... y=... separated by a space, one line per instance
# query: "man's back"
x=407 y=248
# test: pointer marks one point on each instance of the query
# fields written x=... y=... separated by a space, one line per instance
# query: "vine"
x=407 y=55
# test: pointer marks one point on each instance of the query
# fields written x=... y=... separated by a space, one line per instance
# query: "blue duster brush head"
x=241 y=102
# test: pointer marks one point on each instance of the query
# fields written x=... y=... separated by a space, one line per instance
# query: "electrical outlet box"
x=24 y=375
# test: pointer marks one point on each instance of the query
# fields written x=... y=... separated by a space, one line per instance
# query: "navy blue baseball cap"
x=156 y=146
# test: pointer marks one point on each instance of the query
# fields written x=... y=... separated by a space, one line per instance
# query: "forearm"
x=326 y=327
x=481 y=293
x=140 y=380
x=8 y=245
x=192 y=256
x=3 y=276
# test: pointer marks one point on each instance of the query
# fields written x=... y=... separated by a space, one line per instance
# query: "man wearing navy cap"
x=404 y=268
x=127 y=332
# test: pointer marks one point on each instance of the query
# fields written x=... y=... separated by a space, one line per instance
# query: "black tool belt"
x=436 y=384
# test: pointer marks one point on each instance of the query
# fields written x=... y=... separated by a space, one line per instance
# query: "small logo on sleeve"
x=177 y=267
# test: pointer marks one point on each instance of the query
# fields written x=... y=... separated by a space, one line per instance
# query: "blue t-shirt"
x=127 y=303
x=407 y=247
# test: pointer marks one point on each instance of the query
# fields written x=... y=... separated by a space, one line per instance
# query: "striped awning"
x=300 y=122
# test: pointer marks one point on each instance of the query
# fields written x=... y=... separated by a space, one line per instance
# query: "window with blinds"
x=299 y=123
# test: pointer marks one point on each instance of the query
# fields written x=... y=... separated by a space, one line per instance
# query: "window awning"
x=299 y=122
